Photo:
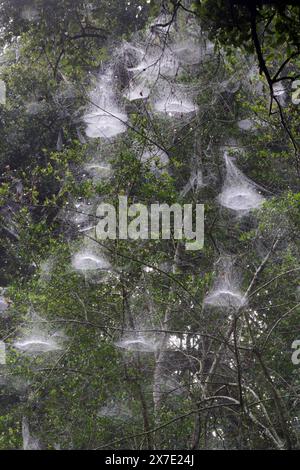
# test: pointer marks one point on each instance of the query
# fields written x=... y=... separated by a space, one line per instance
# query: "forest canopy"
x=138 y=342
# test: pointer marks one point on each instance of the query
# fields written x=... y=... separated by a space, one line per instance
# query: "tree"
x=208 y=372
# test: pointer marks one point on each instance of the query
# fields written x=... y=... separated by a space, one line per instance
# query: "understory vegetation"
x=143 y=344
